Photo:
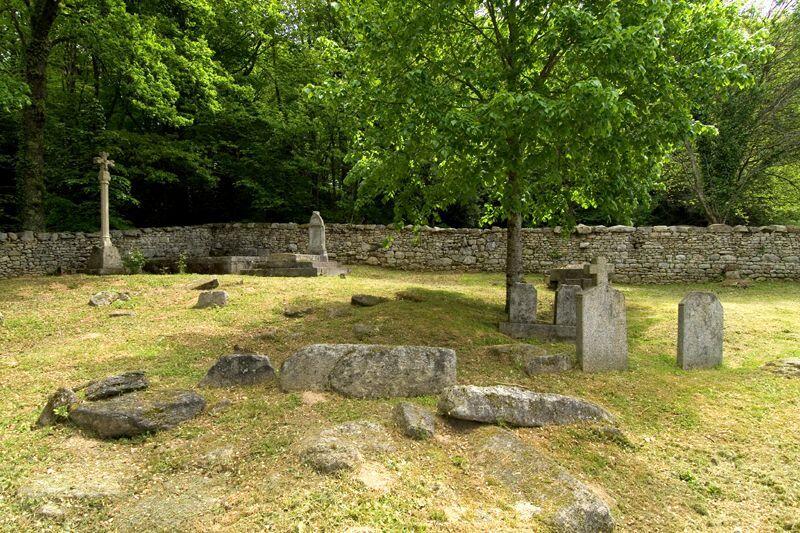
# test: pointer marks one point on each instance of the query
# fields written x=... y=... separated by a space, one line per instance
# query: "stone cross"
x=599 y=270
x=105 y=178
x=316 y=236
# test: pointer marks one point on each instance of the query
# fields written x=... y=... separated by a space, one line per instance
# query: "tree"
x=541 y=107
x=757 y=130
x=148 y=52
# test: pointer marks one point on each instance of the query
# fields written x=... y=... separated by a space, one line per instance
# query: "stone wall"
x=657 y=254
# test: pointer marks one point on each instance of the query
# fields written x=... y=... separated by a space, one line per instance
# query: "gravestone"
x=700 y=319
x=565 y=311
x=316 y=236
x=105 y=258
x=585 y=276
x=598 y=271
x=602 y=333
x=522 y=304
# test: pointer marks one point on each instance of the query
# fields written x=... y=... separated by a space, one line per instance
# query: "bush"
x=134 y=261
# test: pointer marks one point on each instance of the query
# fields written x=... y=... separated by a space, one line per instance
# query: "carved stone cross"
x=105 y=178
x=599 y=270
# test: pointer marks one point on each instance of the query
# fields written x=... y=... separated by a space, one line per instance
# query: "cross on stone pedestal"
x=104 y=177
x=105 y=258
x=599 y=270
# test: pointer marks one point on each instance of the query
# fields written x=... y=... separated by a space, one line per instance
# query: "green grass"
x=703 y=450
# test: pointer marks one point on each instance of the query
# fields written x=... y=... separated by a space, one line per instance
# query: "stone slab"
x=700 y=331
x=565 y=310
x=522 y=303
x=602 y=332
x=540 y=331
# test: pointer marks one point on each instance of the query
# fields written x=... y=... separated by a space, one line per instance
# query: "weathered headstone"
x=316 y=236
x=522 y=304
x=565 y=312
x=105 y=258
x=602 y=332
x=700 y=318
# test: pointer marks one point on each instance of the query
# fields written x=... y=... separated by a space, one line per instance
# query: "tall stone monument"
x=700 y=319
x=105 y=258
x=316 y=237
x=602 y=330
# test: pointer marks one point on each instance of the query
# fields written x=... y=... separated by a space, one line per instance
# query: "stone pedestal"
x=297 y=265
x=105 y=260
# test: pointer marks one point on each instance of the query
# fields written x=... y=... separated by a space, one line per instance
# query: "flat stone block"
x=540 y=331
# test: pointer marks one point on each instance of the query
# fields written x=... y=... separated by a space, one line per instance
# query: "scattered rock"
x=310 y=398
x=297 y=311
x=50 y=511
x=220 y=407
x=339 y=312
x=375 y=477
x=219 y=458
x=370 y=370
x=345 y=446
x=208 y=285
x=120 y=313
x=557 y=497
x=137 y=413
x=517 y=407
x=367 y=300
x=239 y=369
x=414 y=421
x=57 y=408
x=212 y=299
x=789 y=368
x=362 y=331
x=116 y=385
x=178 y=503
x=533 y=359
x=104 y=298
x=410 y=296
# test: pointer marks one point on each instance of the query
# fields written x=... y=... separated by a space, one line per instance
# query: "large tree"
x=149 y=54
x=731 y=170
x=538 y=108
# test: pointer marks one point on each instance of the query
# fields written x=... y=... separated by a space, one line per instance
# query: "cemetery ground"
x=706 y=449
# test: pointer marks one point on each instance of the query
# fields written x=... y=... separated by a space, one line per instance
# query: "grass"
x=702 y=450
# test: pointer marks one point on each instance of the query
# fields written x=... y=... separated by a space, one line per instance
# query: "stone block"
x=700 y=318
x=522 y=303
x=565 y=310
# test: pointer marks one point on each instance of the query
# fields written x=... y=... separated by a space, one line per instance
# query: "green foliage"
x=539 y=108
x=745 y=169
x=134 y=261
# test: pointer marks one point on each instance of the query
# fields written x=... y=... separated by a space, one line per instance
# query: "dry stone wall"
x=660 y=254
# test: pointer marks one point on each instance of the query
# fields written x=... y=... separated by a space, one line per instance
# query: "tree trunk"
x=514 y=268
x=31 y=170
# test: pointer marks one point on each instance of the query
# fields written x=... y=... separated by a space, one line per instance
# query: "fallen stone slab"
x=534 y=360
x=370 y=370
x=208 y=285
x=367 y=300
x=789 y=367
x=57 y=408
x=517 y=407
x=120 y=313
x=116 y=385
x=137 y=413
x=563 y=502
x=212 y=299
x=345 y=446
x=414 y=421
x=239 y=369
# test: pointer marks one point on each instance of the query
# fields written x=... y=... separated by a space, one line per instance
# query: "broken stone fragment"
x=116 y=385
x=57 y=408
